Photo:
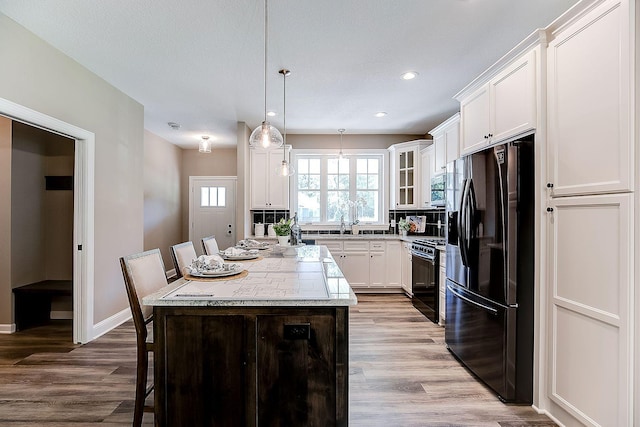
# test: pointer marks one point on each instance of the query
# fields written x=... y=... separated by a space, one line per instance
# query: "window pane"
x=332 y=166
x=314 y=166
x=361 y=181
x=372 y=183
x=213 y=196
x=343 y=182
x=332 y=182
x=344 y=165
x=337 y=205
x=222 y=195
x=309 y=206
x=373 y=165
x=303 y=181
x=204 y=196
x=361 y=166
x=303 y=166
x=367 y=210
x=314 y=181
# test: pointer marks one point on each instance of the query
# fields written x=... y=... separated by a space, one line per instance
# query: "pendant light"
x=265 y=135
x=340 y=155
x=205 y=145
x=285 y=169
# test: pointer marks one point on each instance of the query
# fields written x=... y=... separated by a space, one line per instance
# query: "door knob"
x=549 y=209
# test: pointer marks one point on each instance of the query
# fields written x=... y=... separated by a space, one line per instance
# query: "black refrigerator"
x=490 y=276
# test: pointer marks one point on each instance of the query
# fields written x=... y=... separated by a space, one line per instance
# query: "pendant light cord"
x=266 y=26
x=284 y=113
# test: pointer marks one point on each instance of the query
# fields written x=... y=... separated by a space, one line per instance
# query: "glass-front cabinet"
x=405 y=174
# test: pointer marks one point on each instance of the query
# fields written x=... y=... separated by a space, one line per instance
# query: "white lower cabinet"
x=355 y=262
x=367 y=265
x=392 y=262
x=590 y=286
x=405 y=267
x=442 y=283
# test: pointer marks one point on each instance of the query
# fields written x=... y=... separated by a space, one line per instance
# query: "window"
x=212 y=196
x=327 y=189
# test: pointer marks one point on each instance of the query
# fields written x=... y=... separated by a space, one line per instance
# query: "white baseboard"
x=110 y=323
x=61 y=314
x=545 y=412
x=7 y=329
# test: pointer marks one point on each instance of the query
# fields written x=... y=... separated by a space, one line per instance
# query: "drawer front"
x=349 y=245
x=332 y=245
x=377 y=246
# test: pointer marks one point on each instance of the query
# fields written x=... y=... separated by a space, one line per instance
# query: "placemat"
x=244 y=273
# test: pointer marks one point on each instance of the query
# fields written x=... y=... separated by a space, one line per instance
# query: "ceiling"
x=200 y=63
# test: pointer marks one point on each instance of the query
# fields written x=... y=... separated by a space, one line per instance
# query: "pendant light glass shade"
x=265 y=136
x=205 y=145
x=340 y=155
x=285 y=169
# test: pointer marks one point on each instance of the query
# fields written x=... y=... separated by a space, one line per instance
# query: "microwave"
x=437 y=190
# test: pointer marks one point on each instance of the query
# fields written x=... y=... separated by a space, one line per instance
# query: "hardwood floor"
x=400 y=375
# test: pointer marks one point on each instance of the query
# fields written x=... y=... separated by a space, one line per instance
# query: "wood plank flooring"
x=400 y=375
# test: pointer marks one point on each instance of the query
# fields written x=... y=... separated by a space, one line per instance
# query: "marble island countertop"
x=310 y=278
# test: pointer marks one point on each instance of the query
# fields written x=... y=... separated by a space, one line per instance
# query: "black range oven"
x=424 y=273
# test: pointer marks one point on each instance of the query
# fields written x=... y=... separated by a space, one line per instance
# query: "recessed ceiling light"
x=409 y=75
x=272 y=113
x=380 y=114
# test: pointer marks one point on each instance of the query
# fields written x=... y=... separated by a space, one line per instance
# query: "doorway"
x=83 y=207
x=42 y=169
x=212 y=210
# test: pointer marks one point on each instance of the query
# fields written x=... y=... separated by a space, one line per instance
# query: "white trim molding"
x=83 y=211
x=8 y=329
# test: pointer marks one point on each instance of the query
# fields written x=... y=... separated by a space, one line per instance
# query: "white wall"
x=35 y=75
x=162 y=195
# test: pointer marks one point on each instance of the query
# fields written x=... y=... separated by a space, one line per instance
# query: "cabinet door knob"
x=490 y=135
x=549 y=185
x=549 y=209
x=486 y=137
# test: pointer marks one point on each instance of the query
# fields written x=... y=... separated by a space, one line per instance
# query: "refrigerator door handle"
x=470 y=301
x=462 y=232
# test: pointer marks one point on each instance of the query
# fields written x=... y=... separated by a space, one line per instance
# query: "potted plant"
x=404 y=226
x=283 y=231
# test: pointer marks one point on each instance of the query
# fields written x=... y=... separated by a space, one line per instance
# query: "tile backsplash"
x=435 y=221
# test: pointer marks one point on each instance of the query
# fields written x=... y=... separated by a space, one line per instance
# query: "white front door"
x=212 y=210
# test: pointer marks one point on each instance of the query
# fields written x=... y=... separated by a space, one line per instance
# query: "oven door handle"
x=426 y=258
x=470 y=301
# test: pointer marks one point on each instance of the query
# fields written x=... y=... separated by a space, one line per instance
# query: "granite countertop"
x=320 y=237
x=308 y=278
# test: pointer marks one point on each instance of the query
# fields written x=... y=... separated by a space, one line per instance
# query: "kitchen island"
x=266 y=347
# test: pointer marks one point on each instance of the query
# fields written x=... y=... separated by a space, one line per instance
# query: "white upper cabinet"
x=405 y=175
x=446 y=142
x=501 y=108
x=268 y=190
x=426 y=160
x=588 y=91
x=475 y=121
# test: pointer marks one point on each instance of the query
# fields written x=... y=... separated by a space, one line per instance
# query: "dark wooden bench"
x=33 y=301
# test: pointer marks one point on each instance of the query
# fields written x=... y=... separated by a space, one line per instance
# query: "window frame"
x=352 y=154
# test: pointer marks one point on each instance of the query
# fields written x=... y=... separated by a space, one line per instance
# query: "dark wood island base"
x=251 y=366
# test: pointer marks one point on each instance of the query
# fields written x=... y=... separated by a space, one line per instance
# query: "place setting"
x=212 y=267
x=250 y=244
x=240 y=254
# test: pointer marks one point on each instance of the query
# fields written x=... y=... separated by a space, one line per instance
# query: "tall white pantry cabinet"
x=592 y=207
x=576 y=84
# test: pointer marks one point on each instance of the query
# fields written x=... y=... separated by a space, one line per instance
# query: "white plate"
x=237 y=269
x=239 y=257
x=260 y=247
